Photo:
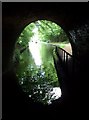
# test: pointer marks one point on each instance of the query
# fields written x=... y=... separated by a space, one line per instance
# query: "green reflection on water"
x=38 y=80
x=33 y=60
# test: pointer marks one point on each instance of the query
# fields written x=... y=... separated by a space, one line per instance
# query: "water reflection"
x=35 y=51
x=37 y=74
x=34 y=47
x=36 y=71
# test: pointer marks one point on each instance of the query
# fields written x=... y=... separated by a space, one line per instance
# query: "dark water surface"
x=36 y=72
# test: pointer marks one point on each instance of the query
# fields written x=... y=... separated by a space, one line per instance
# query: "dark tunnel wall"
x=16 y=16
x=73 y=18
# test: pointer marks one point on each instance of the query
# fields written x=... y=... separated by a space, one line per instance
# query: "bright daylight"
x=33 y=59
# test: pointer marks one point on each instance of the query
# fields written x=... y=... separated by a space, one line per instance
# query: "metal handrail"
x=66 y=60
x=65 y=51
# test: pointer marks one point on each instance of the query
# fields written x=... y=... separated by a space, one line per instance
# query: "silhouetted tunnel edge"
x=59 y=76
x=21 y=31
x=11 y=31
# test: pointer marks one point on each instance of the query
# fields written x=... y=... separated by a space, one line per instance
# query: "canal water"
x=37 y=74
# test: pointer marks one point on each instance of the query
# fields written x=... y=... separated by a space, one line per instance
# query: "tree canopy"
x=37 y=40
x=48 y=31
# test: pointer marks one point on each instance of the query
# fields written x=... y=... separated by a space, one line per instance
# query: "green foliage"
x=48 y=32
x=38 y=82
x=25 y=35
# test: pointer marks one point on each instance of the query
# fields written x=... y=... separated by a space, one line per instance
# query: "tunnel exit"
x=34 y=66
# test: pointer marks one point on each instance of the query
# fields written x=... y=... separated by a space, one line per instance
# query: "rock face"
x=80 y=36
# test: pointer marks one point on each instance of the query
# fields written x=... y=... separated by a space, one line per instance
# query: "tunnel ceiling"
x=66 y=14
x=16 y=16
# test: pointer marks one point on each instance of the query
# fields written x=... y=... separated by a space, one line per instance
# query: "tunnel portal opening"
x=33 y=60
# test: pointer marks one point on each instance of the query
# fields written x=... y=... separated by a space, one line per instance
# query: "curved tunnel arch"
x=28 y=21
x=40 y=20
x=13 y=23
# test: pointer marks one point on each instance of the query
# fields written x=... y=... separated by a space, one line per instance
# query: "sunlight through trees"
x=33 y=60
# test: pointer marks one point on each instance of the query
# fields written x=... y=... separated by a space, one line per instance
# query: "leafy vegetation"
x=38 y=80
x=47 y=31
